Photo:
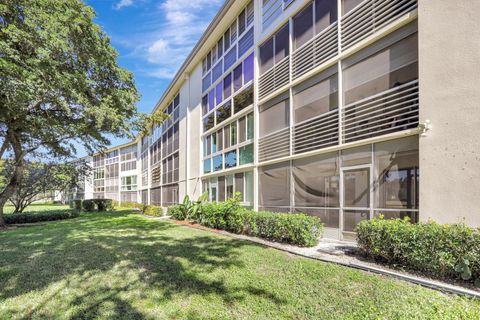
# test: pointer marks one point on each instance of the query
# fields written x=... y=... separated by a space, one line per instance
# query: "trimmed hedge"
x=131 y=205
x=91 y=205
x=439 y=250
x=154 y=211
x=293 y=228
x=19 y=218
x=76 y=204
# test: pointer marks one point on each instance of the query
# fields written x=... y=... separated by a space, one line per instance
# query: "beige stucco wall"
x=449 y=72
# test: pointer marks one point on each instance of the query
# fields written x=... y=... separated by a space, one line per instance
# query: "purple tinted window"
x=248 y=68
x=204 y=105
x=227 y=86
x=218 y=93
x=211 y=100
x=237 y=78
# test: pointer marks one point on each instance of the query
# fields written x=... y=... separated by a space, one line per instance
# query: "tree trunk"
x=17 y=173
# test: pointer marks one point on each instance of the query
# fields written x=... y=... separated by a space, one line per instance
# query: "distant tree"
x=40 y=178
x=60 y=84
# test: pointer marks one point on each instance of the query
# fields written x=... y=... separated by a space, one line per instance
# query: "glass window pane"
x=250 y=126
x=227 y=86
x=274 y=116
x=330 y=217
x=214 y=143
x=353 y=217
x=209 y=122
x=226 y=40
x=315 y=97
x=348 y=5
x=325 y=14
x=243 y=99
x=274 y=185
x=226 y=136
x=357 y=156
x=242 y=129
x=397 y=166
x=217 y=163
x=249 y=187
x=239 y=184
x=281 y=44
x=221 y=188
x=246 y=154
x=219 y=93
x=237 y=78
x=231 y=159
x=207 y=165
x=224 y=112
x=233 y=137
x=219 y=140
x=248 y=69
x=266 y=55
x=205 y=105
x=211 y=100
x=241 y=22
x=303 y=26
x=317 y=180
x=356 y=188
x=208 y=145
x=389 y=68
x=229 y=183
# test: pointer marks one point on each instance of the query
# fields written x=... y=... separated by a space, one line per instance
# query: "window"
x=274 y=115
x=221 y=188
x=274 y=185
x=211 y=100
x=219 y=140
x=226 y=40
x=227 y=86
x=229 y=186
x=303 y=26
x=316 y=96
x=233 y=135
x=249 y=187
x=397 y=165
x=231 y=159
x=317 y=181
x=217 y=163
x=224 y=112
x=209 y=122
x=239 y=185
x=207 y=165
x=246 y=154
x=214 y=143
x=248 y=69
x=218 y=93
x=237 y=78
x=226 y=135
x=241 y=22
x=243 y=99
x=274 y=49
x=372 y=71
x=242 y=129
x=129 y=183
x=250 y=126
x=348 y=5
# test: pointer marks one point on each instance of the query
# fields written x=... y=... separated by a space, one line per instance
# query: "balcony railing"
x=316 y=51
x=370 y=16
x=387 y=112
x=274 y=145
x=316 y=133
x=275 y=78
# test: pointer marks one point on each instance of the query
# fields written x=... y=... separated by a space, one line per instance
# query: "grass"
x=123 y=265
x=38 y=207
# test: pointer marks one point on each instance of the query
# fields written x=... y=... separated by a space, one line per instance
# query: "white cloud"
x=184 y=22
x=123 y=3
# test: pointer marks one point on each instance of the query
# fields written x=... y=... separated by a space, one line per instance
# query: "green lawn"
x=122 y=265
x=37 y=207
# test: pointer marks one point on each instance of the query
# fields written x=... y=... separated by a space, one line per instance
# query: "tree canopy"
x=60 y=84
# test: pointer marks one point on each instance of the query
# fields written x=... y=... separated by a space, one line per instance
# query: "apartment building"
x=342 y=109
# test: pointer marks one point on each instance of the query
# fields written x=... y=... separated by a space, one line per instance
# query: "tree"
x=42 y=178
x=60 y=84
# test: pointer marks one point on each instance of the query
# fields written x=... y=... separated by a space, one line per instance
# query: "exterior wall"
x=449 y=47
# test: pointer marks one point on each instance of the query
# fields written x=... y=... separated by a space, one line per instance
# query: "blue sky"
x=153 y=38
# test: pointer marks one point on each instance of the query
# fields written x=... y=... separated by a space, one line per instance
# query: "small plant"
x=151 y=210
x=191 y=208
x=89 y=205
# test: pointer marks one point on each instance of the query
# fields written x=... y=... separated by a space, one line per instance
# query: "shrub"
x=440 y=250
x=176 y=212
x=154 y=211
x=294 y=228
x=88 y=205
x=104 y=204
x=19 y=218
x=76 y=204
x=131 y=205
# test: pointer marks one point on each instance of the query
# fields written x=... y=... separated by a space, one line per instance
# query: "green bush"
x=131 y=205
x=439 y=250
x=89 y=205
x=176 y=212
x=154 y=211
x=104 y=204
x=298 y=229
x=19 y=218
x=76 y=204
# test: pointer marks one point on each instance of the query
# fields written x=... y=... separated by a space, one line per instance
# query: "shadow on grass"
x=164 y=256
